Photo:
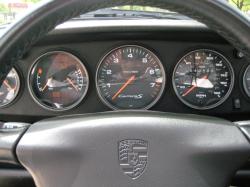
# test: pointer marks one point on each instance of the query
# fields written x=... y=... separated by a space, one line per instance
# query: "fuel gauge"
x=10 y=88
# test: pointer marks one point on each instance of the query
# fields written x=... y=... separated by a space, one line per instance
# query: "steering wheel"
x=126 y=148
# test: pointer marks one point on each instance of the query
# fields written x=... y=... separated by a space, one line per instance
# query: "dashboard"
x=181 y=69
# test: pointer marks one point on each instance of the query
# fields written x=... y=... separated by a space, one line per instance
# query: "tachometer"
x=203 y=79
x=130 y=77
x=58 y=81
x=10 y=88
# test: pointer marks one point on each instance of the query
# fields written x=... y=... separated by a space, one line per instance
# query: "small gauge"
x=130 y=77
x=58 y=81
x=203 y=79
x=246 y=81
x=10 y=88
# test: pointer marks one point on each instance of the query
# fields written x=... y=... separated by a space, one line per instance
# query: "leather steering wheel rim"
x=216 y=14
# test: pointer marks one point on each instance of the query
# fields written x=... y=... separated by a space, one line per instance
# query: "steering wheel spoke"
x=10 y=134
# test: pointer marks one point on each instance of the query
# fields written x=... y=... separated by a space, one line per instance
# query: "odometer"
x=130 y=77
x=203 y=79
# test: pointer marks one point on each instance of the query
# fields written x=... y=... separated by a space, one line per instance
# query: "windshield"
x=10 y=10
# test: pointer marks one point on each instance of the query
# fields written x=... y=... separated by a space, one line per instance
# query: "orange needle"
x=131 y=79
x=189 y=90
x=192 y=88
x=7 y=84
x=74 y=86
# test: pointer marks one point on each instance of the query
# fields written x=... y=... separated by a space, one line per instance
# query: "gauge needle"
x=72 y=84
x=47 y=84
x=193 y=87
x=131 y=79
x=7 y=84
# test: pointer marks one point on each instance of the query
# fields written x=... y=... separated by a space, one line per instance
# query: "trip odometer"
x=203 y=79
x=130 y=77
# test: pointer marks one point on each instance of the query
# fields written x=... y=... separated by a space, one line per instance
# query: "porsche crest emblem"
x=133 y=157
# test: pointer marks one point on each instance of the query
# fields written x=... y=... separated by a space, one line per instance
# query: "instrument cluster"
x=127 y=77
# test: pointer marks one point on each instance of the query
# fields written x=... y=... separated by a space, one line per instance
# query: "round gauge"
x=246 y=81
x=203 y=79
x=130 y=77
x=58 y=81
x=10 y=88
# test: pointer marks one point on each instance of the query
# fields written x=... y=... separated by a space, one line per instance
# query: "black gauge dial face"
x=246 y=81
x=130 y=77
x=203 y=79
x=58 y=81
x=10 y=88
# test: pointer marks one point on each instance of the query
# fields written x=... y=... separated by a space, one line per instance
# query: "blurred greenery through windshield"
x=11 y=9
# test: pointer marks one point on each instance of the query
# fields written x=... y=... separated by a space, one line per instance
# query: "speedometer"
x=130 y=77
x=203 y=79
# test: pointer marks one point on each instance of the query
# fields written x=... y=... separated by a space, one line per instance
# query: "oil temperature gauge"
x=10 y=88
x=58 y=81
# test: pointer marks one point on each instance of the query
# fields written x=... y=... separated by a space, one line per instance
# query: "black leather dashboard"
x=170 y=43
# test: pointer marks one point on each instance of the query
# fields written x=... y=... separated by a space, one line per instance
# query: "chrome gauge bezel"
x=104 y=101
x=219 y=102
x=17 y=92
x=37 y=100
x=247 y=92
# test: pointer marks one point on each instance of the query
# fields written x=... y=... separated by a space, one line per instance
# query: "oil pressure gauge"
x=58 y=81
